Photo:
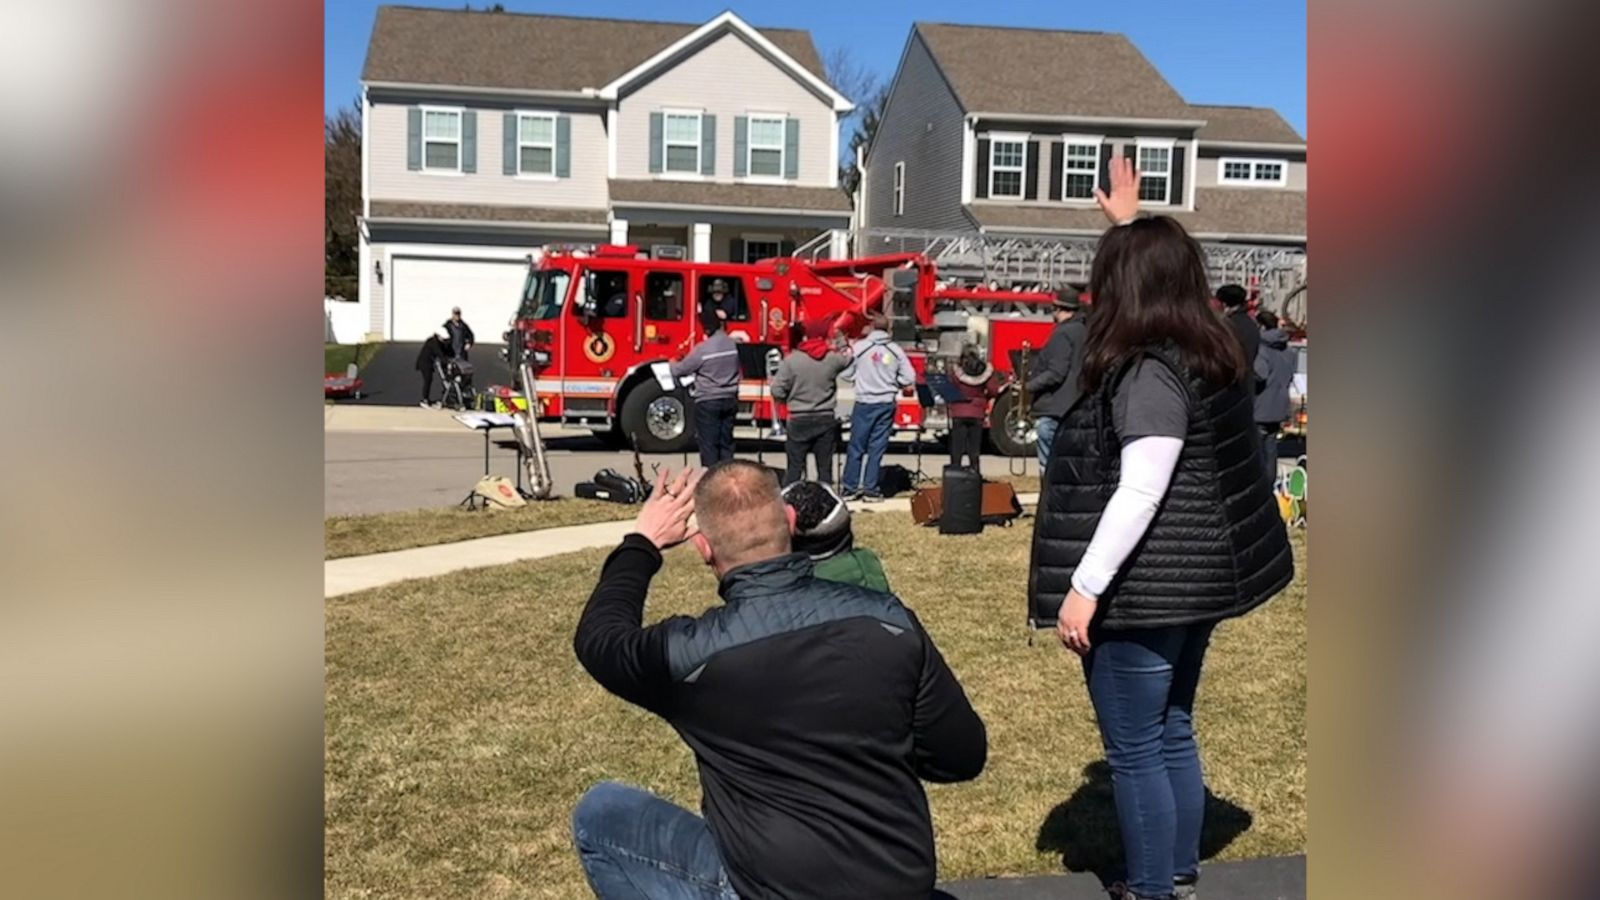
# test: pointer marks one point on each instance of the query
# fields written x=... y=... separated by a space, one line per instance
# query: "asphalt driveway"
x=391 y=377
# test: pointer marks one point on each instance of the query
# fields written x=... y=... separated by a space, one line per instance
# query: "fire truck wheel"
x=1012 y=434
x=659 y=421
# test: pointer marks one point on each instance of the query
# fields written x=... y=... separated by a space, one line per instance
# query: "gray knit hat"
x=822 y=520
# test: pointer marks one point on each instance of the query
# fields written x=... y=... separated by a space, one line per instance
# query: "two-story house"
x=1007 y=132
x=489 y=135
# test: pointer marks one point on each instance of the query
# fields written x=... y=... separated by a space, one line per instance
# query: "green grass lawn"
x=460 y=730
x=336 y=357
x=380 y=533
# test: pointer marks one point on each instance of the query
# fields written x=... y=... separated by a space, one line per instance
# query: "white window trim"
x=1167 y=144
x=763 y=238
x=899 y=185
x=536 y=114
x=1253 y=161
x=460 y=113
x=1009 y=137
x=1068 y=140
x=750 y=148
x=699 y=141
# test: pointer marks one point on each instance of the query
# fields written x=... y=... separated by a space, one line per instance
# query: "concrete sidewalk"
x=359 y=573
x=1271 y=878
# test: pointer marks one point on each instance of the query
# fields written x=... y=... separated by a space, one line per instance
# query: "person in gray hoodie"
x=714 y=363
x=880 y=370
x=806 y=380
x=1274 y=365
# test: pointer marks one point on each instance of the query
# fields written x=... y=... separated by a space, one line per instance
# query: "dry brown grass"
x=461 y=730
x=359 y=535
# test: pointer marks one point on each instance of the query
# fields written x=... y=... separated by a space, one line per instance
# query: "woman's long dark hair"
x=1148 y=285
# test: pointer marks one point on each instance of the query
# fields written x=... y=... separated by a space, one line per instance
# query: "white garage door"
x=425 y=289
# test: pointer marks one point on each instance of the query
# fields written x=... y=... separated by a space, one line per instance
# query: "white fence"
x=345 y=321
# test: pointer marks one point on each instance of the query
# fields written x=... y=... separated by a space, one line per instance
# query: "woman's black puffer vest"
x=1217 y=547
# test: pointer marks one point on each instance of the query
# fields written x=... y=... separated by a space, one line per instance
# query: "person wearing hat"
x=714 y=363
x=1236 y=312
x=459 y=334
x=822 y=531
x=976 y=381
x=1053 y=374
x=434 y=351
x=807 y=382
x=717 y=300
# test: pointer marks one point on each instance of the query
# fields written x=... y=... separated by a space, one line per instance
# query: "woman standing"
x=976 y=381
x=1155 y=525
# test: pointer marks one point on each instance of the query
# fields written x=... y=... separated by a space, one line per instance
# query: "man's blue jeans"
x=1046 y=426
x=1142 y=683
x=870 y=424
x=637 y=846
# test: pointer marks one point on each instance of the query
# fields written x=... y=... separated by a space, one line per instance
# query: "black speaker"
x=963 y=501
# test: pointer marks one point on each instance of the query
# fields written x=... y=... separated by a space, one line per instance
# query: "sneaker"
x=425 y=405
x=870 y=497
x=1183 y=891
x=1119 y=891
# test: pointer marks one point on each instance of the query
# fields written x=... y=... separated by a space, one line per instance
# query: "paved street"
x=377 y=460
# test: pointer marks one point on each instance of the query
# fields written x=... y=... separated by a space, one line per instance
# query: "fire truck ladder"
x=1029 y=263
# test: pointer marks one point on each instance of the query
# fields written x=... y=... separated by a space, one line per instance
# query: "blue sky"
x=1212 y=51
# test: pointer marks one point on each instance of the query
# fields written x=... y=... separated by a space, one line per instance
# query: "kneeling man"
x=815 y=710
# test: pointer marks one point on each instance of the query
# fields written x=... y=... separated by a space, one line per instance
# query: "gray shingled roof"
x=390 y=209
x=699 y=193
x=1253 y=211
x=1056 y=73
x=1245 y=123
x=529 y=52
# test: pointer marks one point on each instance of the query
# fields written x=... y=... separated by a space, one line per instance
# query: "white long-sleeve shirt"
x=1147 y=467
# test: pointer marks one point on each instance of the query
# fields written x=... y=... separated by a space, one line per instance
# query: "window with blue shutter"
x=656 y=135
x=563 y=146
x=508 y=144
x=708 y=144
x=791 y=149
x=767 y=148
x=469 y=141
x=414 y=138
x=741 y=146
x=682 y=141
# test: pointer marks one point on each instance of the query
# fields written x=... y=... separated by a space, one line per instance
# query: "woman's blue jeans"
x=1142 y=683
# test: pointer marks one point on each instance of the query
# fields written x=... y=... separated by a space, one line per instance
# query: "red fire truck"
x=595 y=322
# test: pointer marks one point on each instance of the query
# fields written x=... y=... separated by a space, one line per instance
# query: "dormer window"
x=1008 y=160
x=1155 y=171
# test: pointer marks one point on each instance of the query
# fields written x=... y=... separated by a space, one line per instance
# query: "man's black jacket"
x=1053 y=375
x=813 y=709
x=1248 y=331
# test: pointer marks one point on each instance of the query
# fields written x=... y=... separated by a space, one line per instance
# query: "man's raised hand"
x=1123 y=203
x=664 y=519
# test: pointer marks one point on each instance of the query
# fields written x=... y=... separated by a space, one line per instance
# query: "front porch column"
x=619 y=231
x=700 y=242
x=838 y=243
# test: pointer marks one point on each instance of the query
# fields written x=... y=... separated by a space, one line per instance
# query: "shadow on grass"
x=1084 y=828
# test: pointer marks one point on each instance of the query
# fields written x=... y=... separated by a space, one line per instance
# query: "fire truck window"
x=547 y=290
x=663 y=296
x=608 y=293
x=732 y=301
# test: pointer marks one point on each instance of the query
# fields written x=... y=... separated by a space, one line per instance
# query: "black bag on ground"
x=628 y=489
x=588 y=490
x=894 y=479
x=963 y=501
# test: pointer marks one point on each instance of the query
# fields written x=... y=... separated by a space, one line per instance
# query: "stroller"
x=456 y=377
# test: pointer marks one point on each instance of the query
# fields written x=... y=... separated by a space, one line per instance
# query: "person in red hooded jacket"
x=807 y=380
x=976 y=381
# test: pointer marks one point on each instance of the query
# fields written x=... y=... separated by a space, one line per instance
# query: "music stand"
x=487 y=422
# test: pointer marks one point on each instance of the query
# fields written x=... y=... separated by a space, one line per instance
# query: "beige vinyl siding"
x=932 y=155
x=391 y=180
x=1206 y=169
x=727 y=78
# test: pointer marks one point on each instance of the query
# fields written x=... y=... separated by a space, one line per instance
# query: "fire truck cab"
x=597 y=325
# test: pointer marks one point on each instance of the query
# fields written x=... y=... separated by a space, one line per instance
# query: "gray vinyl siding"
x=728 y=78
x=389 y=179
x=1206 y=168
x=922 y=126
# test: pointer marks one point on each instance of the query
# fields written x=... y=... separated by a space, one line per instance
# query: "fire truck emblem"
x=776 y=318
x=599 y=347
